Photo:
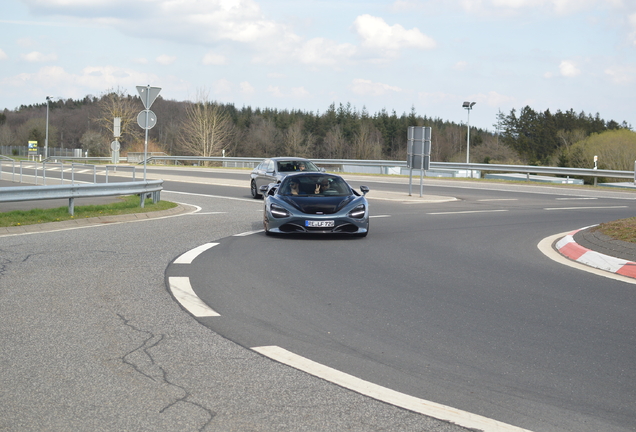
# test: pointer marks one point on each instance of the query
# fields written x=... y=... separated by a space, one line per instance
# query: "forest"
x=207 y=128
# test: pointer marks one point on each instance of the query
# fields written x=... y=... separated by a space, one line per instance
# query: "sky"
x=430 y=55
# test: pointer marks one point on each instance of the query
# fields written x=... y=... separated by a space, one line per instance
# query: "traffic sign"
x=115 y=146
x=146 y=121
x=148 y=95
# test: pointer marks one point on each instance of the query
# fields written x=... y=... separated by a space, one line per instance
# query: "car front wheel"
x=254 y=190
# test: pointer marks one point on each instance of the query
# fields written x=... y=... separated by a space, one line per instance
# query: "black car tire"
x=254 y=191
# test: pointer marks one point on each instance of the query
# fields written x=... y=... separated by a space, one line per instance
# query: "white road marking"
x=431 y=409
x=464 y=212
x=189 y=256
x=182 y=291
x=499 y=199
x=248 y=233
x=215 y=196
x=585 y=208
x=380 y=216
x=576 y=198
x=209 y=213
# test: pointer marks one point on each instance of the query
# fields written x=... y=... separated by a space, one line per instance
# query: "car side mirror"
x=364 y=189
x=263 y=188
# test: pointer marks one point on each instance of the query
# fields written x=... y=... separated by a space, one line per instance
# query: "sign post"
x=418 y=153
x=147 y=119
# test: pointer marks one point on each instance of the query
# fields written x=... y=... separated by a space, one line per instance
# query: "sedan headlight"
x=278 y=211
x=358 y=212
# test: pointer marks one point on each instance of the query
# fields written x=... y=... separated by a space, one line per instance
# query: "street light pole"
x=46 y=135
x=468 y=106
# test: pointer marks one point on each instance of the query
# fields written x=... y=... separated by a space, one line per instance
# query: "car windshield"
x=295 y=165
x=318 y=185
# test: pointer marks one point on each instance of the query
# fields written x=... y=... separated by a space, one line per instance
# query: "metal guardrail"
x=523 y=169
x=72 y=191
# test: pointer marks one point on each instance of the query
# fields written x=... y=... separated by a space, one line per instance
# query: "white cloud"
x=460 y=65
x=38 y=57
x=214 y=59
x=560 y=7
x=275 y=91
x=247 y=88
x=165 y=59
x=3 y=55
x=321 y=51
x=569 y=69
x=222 y=86
x=367 y=87
x=91 y=80
x=299 y=92
x=377 y=34
x=632 y=24
x=621 y=75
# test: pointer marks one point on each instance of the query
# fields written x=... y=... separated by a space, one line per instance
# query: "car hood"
x=318 y=205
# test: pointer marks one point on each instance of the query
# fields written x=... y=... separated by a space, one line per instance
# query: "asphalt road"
x=438 y=302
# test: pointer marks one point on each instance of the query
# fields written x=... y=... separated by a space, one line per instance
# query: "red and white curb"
x=572 y=250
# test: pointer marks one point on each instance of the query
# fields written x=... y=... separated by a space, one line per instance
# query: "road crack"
x=143 y=362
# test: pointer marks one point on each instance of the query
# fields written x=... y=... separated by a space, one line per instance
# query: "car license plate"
x=319 y=224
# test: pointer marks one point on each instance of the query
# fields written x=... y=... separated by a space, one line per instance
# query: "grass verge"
x=128 y=205
x=622 y=229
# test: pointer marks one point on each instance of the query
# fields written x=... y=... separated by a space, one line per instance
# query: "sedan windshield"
x=295 y=165
x=318 y=185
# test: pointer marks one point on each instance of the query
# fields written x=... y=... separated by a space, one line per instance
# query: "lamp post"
x=468 y=106
x=46 y=135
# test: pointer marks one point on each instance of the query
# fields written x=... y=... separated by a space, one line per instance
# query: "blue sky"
x=307 y=54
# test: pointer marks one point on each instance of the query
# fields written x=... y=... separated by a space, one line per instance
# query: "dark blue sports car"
x=315 y=203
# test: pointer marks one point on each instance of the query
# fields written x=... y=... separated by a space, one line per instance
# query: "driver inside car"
x=322 y=186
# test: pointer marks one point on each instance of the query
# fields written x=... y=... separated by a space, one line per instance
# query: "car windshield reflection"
x=296 y=166
x=318 y=185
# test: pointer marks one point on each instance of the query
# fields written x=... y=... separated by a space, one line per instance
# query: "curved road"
x=448 y=302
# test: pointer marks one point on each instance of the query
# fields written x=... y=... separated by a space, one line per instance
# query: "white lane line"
x=431 y=409
x=247 y=233
x=215 y=196
x=576 y=198
x=209 y=213
x=465 y=212
x=182 y=291
x=189 y=256
x=380 y=216
x=498 y=199
x=585 y=208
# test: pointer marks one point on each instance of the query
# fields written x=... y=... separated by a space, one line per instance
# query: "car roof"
x=290 y=159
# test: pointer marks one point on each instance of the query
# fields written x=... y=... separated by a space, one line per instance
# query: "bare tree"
x=207 y=128
x=367 y=143
x=334 y=144
x=116 y=103
x=95 y=143
x=261 y=138
x=293 y=140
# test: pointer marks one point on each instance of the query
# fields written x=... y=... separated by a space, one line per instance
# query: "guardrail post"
x=142 y=198
x=71 y=206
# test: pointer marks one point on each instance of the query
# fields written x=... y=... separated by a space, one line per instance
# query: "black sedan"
x=315 y=203
x=275 y=169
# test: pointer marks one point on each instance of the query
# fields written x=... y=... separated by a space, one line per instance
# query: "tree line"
x=206 y=128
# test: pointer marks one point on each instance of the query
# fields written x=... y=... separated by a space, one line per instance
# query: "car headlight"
x=278 y=211
x=358 y=212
